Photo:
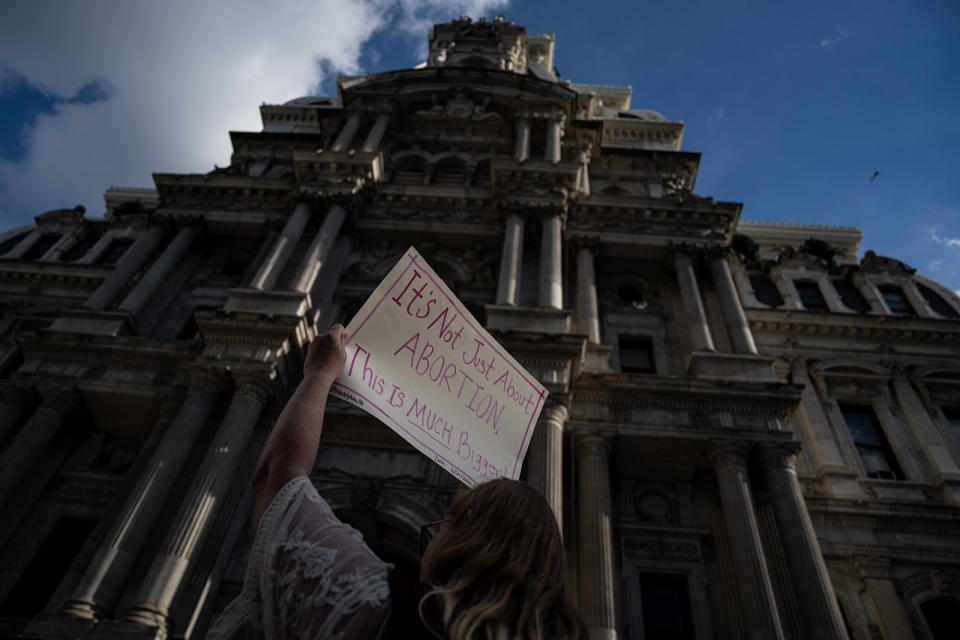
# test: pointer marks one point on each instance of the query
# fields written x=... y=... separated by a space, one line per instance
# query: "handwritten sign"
x=418 y=361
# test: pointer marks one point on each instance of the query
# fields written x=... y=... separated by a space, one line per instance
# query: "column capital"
x=779 y=457
x=590 y=242
x=208 y=380
x=871 y=567
x=593 y=444
x=65 y=401
x=554 y=411
x=729 y=454
x=17 y=395
x=256 y=385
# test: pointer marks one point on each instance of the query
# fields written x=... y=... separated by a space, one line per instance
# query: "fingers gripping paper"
x=418 y=361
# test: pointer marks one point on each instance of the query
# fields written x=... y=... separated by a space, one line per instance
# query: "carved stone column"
x=545 y=457
x=103 y=579
x=14 y=402
x=127 y=267
x=320 y=248
x=743 y=533
x=875 y=572
x=279 y=254
x=596 y=581
x=811 y=583
x=158 y=273
x=372 y=143
x=522 y=145
x=554 y=137
x=736 y=320
x=551 y=274
x=27 y=446
x=508 y=289
x=343 y=140
x=588 y=315
x=692 y=303
x=200 y=507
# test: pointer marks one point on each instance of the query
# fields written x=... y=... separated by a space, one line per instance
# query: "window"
x=896 y=302
x=114 y=252
x=7 y=245
x=44 y=244
x=850 y=296
x=666 y=607
x=810 y=296
x=936 y=302
x=636 y=355
x=765 y=291
x=875 y=452
x=953 y=419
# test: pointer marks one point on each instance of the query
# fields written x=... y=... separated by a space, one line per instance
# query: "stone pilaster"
x=103 y=579
x=522 y=145
x=127 y=267
x=875 y=572
x=588 y=315
x=820 y=440
x=14 y=402
x=24 y=245
x=342 y=143
x=508 y=289
x=743 y=534
x=554 y=138
x=372 y=143
x=808 y=572
x=551 y=267
x=23 y=451
x=200 y=507
x=545 y=457
x=320 y=248
x=736 y=320
x=597 y=593
x=916 y=416
x=158 y=273
x=692 y=303
x=279 y=254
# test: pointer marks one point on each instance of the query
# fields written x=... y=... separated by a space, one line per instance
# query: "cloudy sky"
x=838 y=113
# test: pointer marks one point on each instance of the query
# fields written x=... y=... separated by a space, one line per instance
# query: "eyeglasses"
x=428 y=532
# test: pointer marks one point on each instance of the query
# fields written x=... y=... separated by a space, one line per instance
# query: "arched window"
x=765 y=291
x=409 y=170
x=936 y=302
x=450 y=171
x=7 y=245
x=850 y=296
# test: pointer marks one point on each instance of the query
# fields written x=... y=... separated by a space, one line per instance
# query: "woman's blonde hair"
x=502 y=571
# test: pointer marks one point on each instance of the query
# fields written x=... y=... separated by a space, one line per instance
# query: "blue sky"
x=794 y=106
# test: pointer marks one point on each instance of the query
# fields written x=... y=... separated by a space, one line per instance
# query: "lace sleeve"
x=309 y=576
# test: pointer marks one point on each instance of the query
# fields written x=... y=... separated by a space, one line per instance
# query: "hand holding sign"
x=418 y=361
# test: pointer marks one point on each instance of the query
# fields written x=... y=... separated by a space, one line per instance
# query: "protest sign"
x=418 y=361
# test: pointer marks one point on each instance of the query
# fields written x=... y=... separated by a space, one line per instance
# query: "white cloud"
x=946 y=242
x=183 y=74
x=718 y=113
x=841 y=35
x=936 y=265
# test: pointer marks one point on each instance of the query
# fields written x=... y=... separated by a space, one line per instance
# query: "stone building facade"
x=751 y=432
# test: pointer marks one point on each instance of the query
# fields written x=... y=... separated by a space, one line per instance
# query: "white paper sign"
x=418 y=361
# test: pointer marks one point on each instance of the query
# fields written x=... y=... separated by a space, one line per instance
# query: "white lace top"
x=309 y=575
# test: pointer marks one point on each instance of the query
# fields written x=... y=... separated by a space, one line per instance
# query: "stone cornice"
x=196 y=194
x=853 y=326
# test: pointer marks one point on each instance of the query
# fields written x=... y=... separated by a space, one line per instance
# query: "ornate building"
x=752 y=433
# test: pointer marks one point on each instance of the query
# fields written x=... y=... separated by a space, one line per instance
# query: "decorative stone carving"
x=458 y=107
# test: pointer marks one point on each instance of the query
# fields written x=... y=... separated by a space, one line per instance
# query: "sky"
x=835 y=113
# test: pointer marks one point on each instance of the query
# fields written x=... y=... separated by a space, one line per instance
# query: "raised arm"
x=292 y=446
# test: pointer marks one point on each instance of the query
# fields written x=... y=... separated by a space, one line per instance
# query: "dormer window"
x=896 y=301
x=113 y=253
x=44 y=244
x=810 y=296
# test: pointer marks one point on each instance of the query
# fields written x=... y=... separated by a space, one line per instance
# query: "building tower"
x=752 y=433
